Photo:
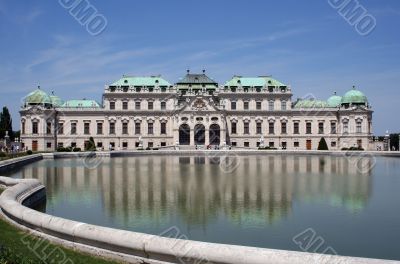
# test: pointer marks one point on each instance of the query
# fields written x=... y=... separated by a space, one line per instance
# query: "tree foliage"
x=322 y=144
x=91 y=145
x=6 y=124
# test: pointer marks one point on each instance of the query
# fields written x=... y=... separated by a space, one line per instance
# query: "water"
x=262 y=201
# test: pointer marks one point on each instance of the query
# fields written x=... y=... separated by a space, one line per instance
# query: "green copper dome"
x=37 y=97
x=354 y=97
x=311 y=104
x=334 y=100
x=56 y=101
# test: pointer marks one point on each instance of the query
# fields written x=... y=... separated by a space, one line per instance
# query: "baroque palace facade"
x=149 y=112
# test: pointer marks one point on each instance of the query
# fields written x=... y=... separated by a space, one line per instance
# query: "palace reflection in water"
x=255 y=191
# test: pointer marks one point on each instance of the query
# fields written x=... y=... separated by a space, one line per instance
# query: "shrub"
x=3 y=155
x=29 y=152
x=77 y=150
x=91 y=146
x=267 y=148
x=322 y=144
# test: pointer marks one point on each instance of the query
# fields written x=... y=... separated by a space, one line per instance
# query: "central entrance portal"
x=184 y=135
x=199 y=135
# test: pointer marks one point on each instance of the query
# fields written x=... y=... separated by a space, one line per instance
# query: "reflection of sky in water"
x=264 y=201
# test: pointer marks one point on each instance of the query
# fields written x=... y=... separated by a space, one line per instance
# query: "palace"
x=149 y=112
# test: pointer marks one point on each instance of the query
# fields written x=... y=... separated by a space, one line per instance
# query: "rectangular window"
x=150 y=129
x=99 y=128
x=284 y=128
x=150 y=106
x=246 y=128
x=137 y=105
x=86 y=129
x=246 y=105
x=23 y=128
x=259 y=128
x=233 y=105
x=35 y=128
x=60 y=128
x=48 y=128
x=163 y=144
x=283 y=106
x=112 y=128
x=308 y=128
x=73 y=129
x=137 y=128
x=345 y=128
x=271 y=144
x=125 y=105
x=163 y=128
x=125 y=128
x=333 y=144
x=163 y=105
x=234 y=128
x=124 y=145
x=234 y=144
x=333 y=128
x=100 y=145
x=296 y=128
x=320 y=128
x=150 y=145
x=112 y=105
x=359 y=127
x=296 y=144
x=258 y=105
x=271 y=105
x=246 y=144
x=271 y=128
x=73 y=144
x=48 y=145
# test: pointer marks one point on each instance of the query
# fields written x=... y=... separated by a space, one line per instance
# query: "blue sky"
x=306 y=44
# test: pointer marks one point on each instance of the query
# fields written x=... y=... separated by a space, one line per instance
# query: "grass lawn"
x=18 y=247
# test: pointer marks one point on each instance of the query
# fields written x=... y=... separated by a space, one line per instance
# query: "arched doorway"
x=215 y=134
x=184 y=135
x=199 y=135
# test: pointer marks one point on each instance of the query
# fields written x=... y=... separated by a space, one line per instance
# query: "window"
x=259 y=128
x=125 y=105
x=60 y=128
x=333 y=144
x=60 y=145
x=73 y=129
x=137 y=105
x=246 y=128
x=345 y=127
x=246 y=144
x=23 y=127
x=125 y=128
x=258 y=105
x=86 y=129
x=100 y=145
x=48 y=145
x=271 y=128
x=150 y=129
x=246 y=105
x=296 y=144
x=138 y=89
x=151 y=89
x=333 y=127
x=150 y=105
x=284 y=128
x=137 y=128
x=163 y=144
x=48 y=128
x=124 y=145
x=320 y=128
x=99 y=128
x=271 y=144
x=284 y=145
x=271 y=105
x=234 y=144
x=283 y=106
x=296 y=128
x=163 y=89
x=233 y=105
x=150 y=145
x=112 y=128
x=73 y=144
x=163 y=128
x=163 y=105
x=112 y=105
x=308 y=128
x=359 y=127
x=234 y=128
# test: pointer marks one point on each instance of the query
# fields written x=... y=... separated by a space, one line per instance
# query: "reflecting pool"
x=262 y=201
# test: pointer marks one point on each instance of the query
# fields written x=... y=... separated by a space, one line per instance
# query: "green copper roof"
x=141 y=81
x=354 y=96
x=38 y=97
x=311 y=104
x=262 y=81
x=334 y=100
x=56 y=101
x=81 y=104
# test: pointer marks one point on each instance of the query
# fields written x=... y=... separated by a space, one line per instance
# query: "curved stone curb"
x=150 y=248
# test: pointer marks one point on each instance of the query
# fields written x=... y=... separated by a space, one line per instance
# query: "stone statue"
x=262 y=141
x=140 y=142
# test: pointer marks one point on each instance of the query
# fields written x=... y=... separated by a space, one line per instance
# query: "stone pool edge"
x=137 y=247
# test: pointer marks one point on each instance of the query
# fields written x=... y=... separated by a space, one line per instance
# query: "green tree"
x=394 y=141
x=6 y=124
x=91 y=145
x=322 y=144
